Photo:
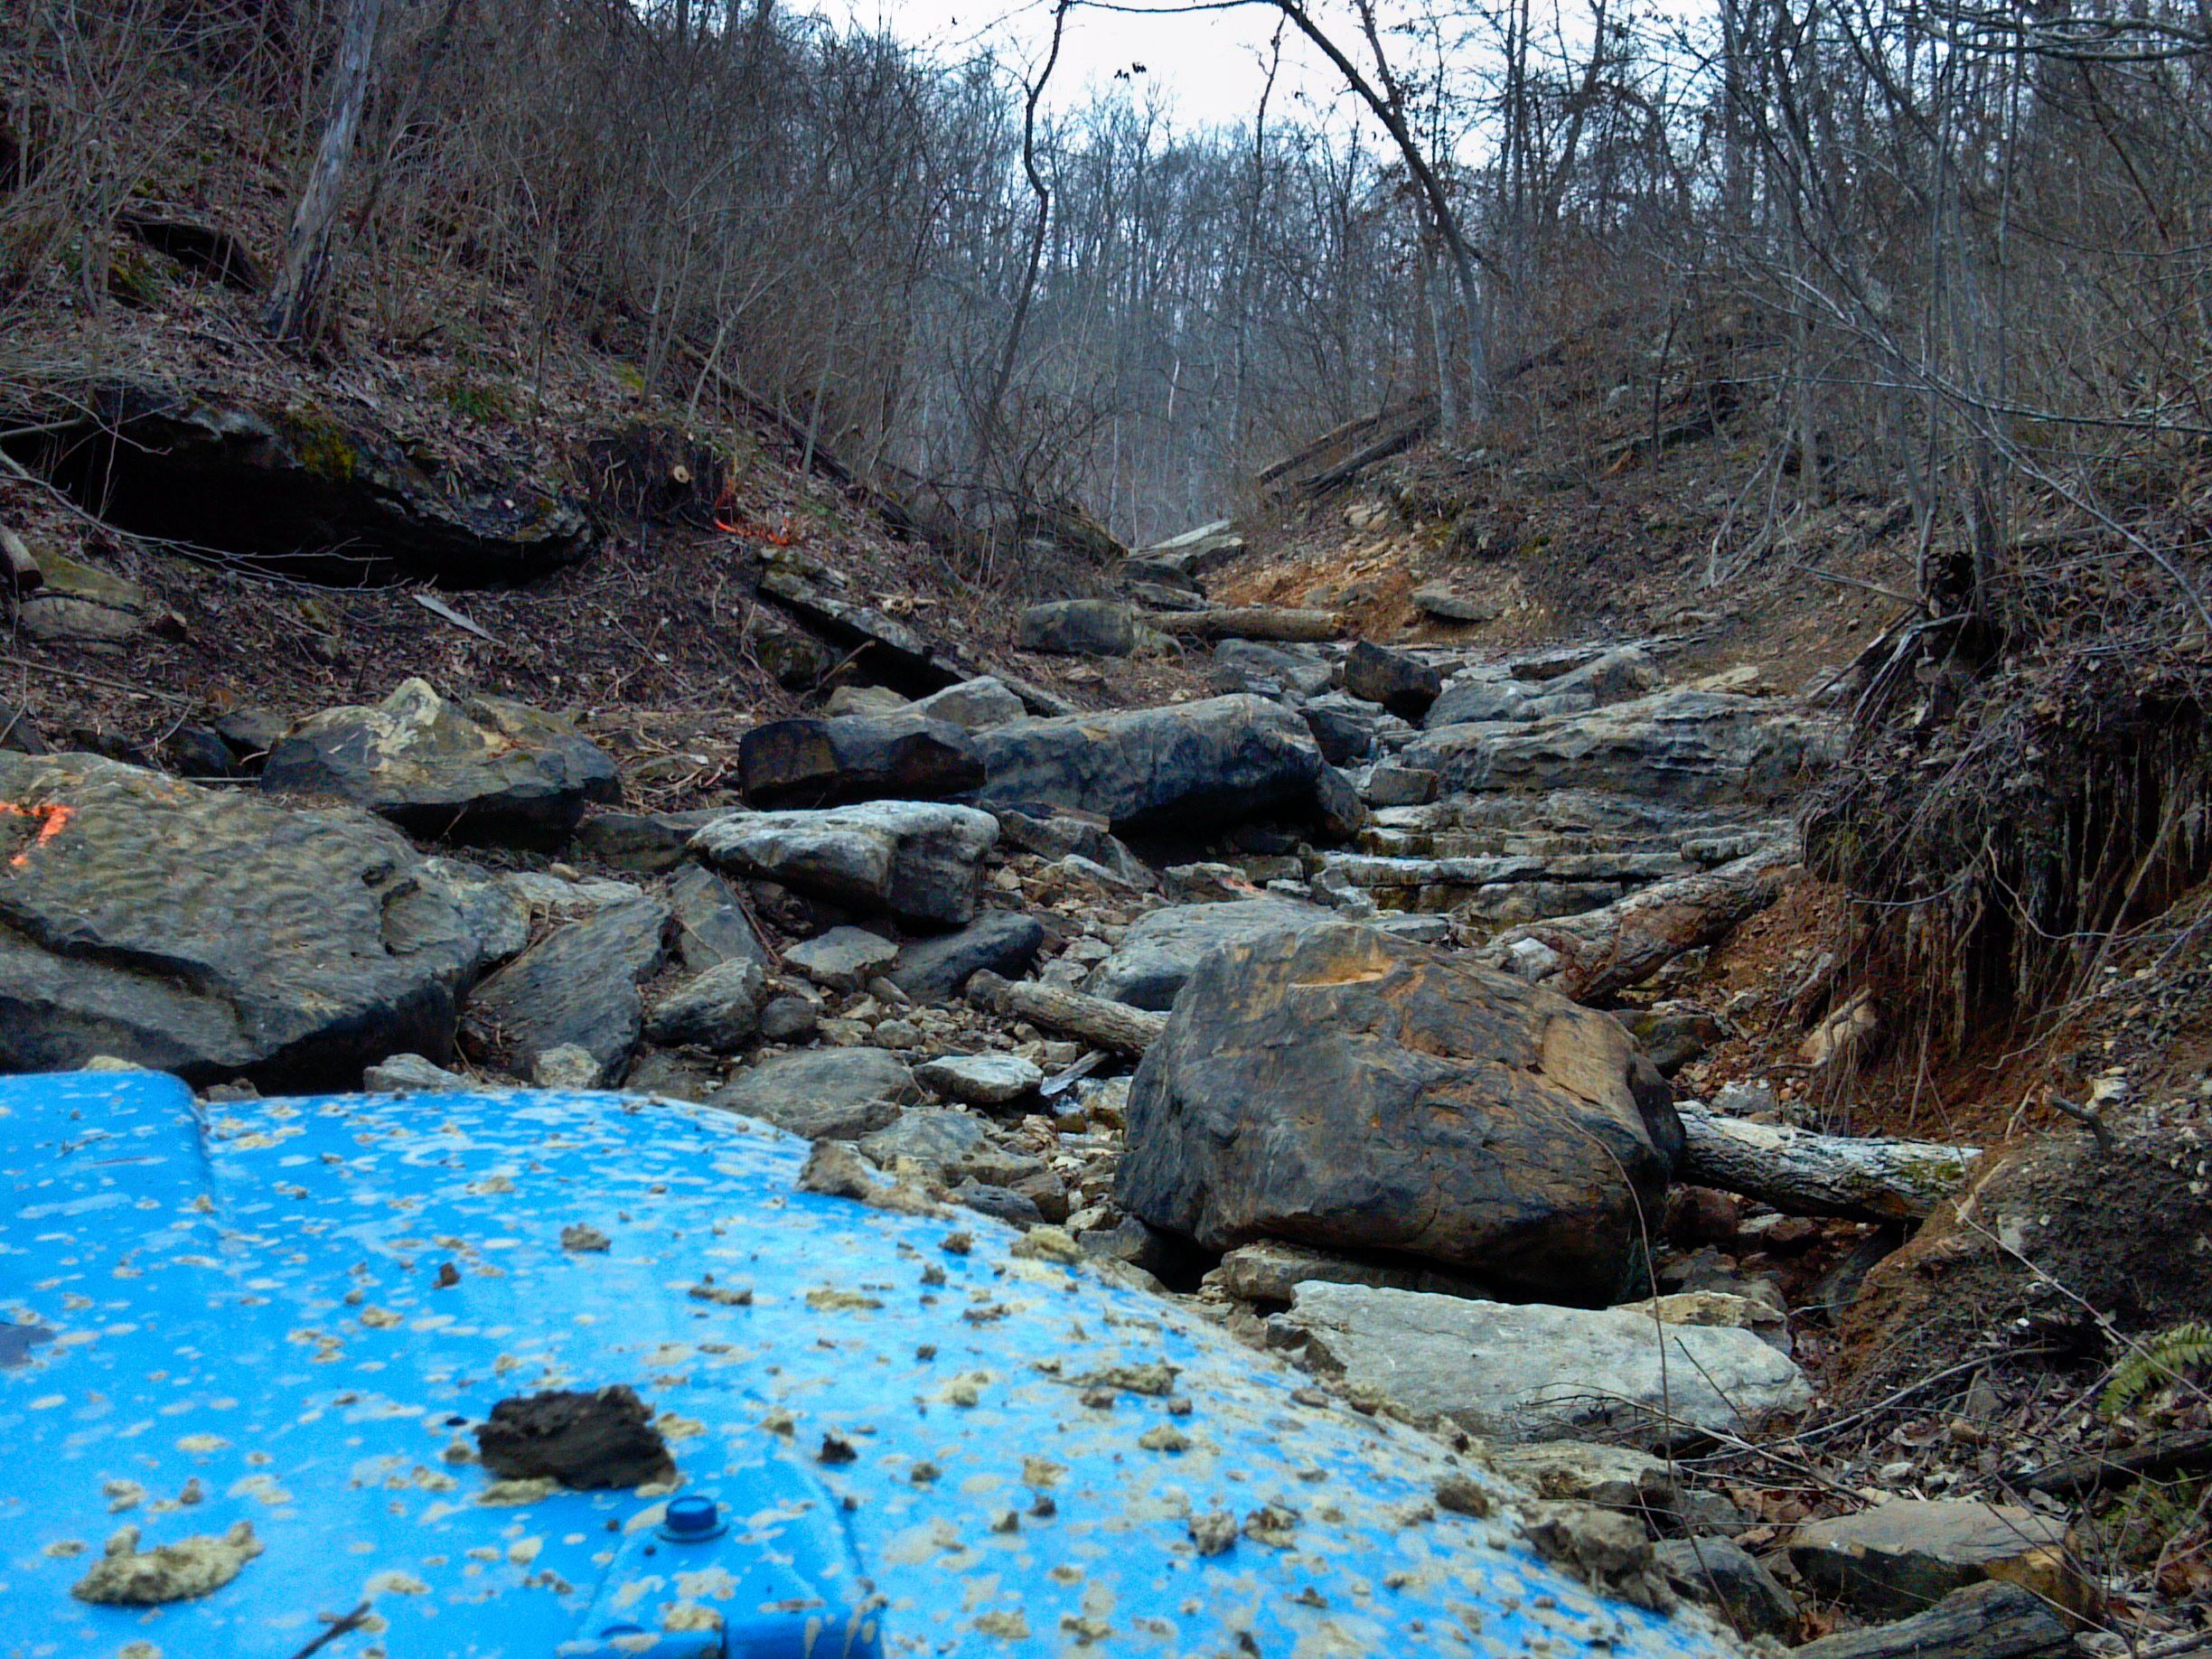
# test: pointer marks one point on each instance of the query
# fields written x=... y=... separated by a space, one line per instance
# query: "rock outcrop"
x=855 y=757
x=1684 y=748
x=468 y=768
x=917 y=859
x=1536 y=1373
x=936 y=969
x=1182 y=767
x=319 y=491
x=214 y=933
x=1163 y=948
x=1348 y=1090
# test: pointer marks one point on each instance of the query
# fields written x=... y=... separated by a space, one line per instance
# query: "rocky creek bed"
x=1334 y=1005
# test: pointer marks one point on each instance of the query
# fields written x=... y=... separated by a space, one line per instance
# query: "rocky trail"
x=1336 y=995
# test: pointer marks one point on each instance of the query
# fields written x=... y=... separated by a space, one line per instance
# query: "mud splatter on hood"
x=293 y=1314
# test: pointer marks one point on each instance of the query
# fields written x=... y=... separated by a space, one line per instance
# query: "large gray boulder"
x=1177 y=767
x=472 y=768
x=1349 y=730
x=937 y=970
x=843 y=959
x=325 y=491
x=823 y=1093
x=981 y=1080
x=18 y=733
x=1078 y=628
x=711 y=924
x=1163 y=948
x=855 y=757
x=720 y=1009
x=972 y=705
x=1905 y=1555
x=215 y=933
x=1255 y=665
x=1680 y=747
x=1480 y=694
x=574 y=989
x=1535 y=1372
x=1399 y=682
x=1343 y=1088
x=1615 y=676
x=919 y=858
x=1195 y=552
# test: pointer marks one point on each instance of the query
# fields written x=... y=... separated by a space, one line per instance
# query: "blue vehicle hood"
x=234 y=1313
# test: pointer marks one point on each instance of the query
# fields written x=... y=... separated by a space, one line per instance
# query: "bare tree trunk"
x=1433 y=282
x=1253 y=622
x=295 y=304
x=987 y=421
x=1390 y=110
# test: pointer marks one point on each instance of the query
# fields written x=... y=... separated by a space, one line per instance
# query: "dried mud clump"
x=584 y=1440
x=128 y=1577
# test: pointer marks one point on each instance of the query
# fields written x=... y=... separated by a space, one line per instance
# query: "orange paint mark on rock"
x=51 y=819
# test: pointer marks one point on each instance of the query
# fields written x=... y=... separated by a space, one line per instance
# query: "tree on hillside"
x=1463 y=396
x=295 y=302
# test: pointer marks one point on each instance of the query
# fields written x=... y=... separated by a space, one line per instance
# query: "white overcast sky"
x=1212 y=64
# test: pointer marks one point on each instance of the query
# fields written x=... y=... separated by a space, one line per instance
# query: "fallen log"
x=1330 y=478
x=1317 y=453
x=19 y=566
x=1601 y=952
x=1097 y=1020
x=1252 y=622
x=1996 y=1620
x=2178 y=1453
x=1801 y=1173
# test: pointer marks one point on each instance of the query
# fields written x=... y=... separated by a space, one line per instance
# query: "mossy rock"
x=310 y=491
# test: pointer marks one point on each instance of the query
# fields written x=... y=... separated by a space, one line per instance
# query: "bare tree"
x=297 y=301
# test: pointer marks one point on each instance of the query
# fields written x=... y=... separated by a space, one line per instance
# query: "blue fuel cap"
x=693 y=1520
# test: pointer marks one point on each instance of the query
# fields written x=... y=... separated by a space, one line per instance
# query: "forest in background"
x=1953 y=249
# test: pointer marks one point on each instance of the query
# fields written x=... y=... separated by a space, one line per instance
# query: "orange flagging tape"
x=756 y=532
x=52 y=821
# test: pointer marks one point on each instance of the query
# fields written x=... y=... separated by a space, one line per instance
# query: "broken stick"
x=1098 y=1020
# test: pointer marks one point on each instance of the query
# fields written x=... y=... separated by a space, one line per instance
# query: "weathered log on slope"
x=1601 y=952
x=19 y=566
x=1800 y=1172
x=1097 y=1020
x=1345 y=472
x=2178 y=1452
x=1252 y=622
x=1995 y=1620
x=1319 y=453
